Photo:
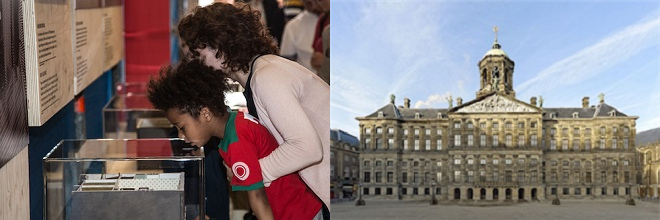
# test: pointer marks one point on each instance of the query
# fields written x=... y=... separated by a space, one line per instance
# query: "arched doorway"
x=482 y=194
x=521 y=194
x=470 y=193
x=457 y=193
x=534 y=193
x=496 y=194
x=507 y=193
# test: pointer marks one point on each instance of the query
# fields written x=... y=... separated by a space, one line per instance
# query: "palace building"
x=498 y=148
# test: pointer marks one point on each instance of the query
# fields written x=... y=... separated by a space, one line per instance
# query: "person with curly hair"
x=193 y=96
x=289 y=100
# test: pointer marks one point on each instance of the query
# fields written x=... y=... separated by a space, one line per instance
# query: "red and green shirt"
x=245 y=142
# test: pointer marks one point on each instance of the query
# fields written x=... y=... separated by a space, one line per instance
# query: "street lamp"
x=433 y=200
x=360 y=201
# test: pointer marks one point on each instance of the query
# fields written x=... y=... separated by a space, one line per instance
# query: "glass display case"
x=123 y=179
x=124 y=112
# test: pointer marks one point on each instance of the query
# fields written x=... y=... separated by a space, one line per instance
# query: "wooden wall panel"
x=15 y=188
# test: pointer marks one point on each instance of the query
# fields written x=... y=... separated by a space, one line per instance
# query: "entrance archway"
x=507 y=193
x=496 y=194
x=457 y=193
x=521 y=194
x=470 y=193
x=534 y=193
x=482 y=194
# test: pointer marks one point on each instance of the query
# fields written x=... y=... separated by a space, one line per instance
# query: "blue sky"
x=427 y=50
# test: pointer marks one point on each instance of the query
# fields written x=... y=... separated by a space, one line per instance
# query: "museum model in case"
x=123 y=112
x=101 y=179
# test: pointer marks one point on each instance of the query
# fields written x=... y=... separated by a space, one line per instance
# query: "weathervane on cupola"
x=496 y=71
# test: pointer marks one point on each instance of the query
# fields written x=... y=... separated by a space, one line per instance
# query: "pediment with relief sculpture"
x=496 y=103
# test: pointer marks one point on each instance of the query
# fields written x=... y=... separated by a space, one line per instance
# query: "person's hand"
x=317 y=60
x=205 y=218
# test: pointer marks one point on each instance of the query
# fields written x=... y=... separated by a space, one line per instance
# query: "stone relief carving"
x=496 y=104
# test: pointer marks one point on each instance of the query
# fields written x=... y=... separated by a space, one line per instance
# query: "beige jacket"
x=294 y=104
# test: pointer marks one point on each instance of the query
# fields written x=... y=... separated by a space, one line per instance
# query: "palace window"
x=428 y=132
x=367 y=143
x=533 y=125
x=553 y=144
x=587 y=144
x=482 y=125
x=576 y=177
x=483 y=161
x=508 y=161
x=564 y=131
x=521 y=125
x=603 y=177
x=390 y=143
x=626 y=176
x=470 y=176
x=508 y=176
x=390 y=130
x=428 y=144
x=587 y=177
x=553 y=131
x=602 y=143
x=416 y=164
x=625 y=162
x=564 y=176
x=457 y=176
x=614 y=130
x=534 y=161
x=438 y=164
x=367 y=163
x=367 y=130
x=576 y=163
x=625 y=143
x=496 y=176
x=508 y=125
x=416 y=144
x=379 y=143
x=564 y=144
x=470 y=125
x=405 y=145
x=482 y=176
x=602 y=130
x=482 y=142
x=390 y=163
x=577 y=191
x=625 y=131
x=439 y=143
x=553 y=176
x=615 y=177
x=587 y=131
x=533 y=140
x=521 y=161
x=521 y=176
x=576 y=144
x=405 y=131
x=576 y=131
x=521 y=140
x=496 y=161
x=615 y=163
x=379 y=130
x=457 y=140
x=416 y=131
x=470 y=140
x=496 y=125
x=535 y=177
x=613 y=143
x=416 y=177
x=367 y=177
x=457 y=161
x=496 y=141
x=564 y=163
x=390 y=177
x=379 y=163
x=457 y=125
x=553 y=163
x=439 y=132
x=470 y=161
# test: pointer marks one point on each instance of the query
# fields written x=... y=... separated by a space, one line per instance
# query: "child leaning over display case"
x=192 y=95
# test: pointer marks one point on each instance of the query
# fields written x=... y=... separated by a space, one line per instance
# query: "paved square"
x=378 y=209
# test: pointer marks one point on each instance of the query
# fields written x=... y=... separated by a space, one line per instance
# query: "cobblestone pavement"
x=380 y=209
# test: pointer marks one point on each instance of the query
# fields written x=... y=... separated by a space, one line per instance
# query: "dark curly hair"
x=189 y=87
x=235 y=30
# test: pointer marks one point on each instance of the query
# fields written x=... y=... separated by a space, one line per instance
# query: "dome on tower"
x=497 y=50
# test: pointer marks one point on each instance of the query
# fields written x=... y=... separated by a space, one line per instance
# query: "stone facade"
x=649 y=176
x=497 y=148
x=344 y=164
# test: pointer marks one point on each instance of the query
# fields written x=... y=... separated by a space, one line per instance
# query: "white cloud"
x=432 y=100
x=589 y=62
